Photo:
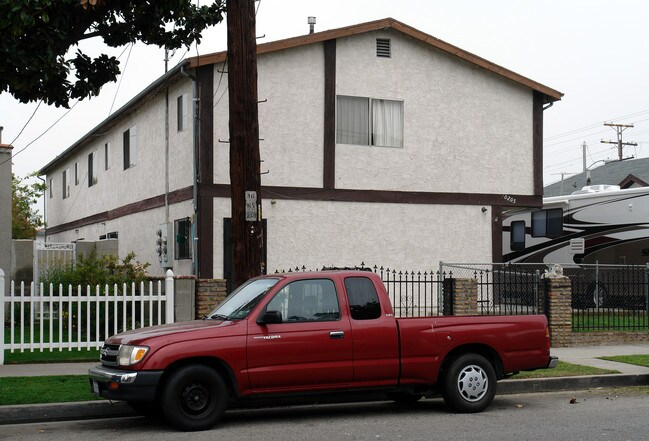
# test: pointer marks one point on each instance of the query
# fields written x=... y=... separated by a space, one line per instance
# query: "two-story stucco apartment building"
x=380 y=144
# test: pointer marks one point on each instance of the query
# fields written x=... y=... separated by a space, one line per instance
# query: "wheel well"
x=486 y=351
x=218 y=365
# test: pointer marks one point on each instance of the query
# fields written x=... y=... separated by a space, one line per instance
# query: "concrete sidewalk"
x=629 y=375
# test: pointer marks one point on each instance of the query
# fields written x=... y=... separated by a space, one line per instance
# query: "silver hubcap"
x=472 y=383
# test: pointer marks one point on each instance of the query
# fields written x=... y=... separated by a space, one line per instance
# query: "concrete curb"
x=571 y=383
x=80 y=410
x=38 y=413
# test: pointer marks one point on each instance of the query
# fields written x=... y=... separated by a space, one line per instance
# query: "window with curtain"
x=369 y=121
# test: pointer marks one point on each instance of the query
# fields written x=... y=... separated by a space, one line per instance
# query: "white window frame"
x=182 y=109
x=107 y=156
x=66 y=183
x=130 y=147
x=371 y=123
x=92 y=169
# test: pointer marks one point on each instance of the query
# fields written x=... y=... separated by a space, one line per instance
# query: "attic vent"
x=383 y=47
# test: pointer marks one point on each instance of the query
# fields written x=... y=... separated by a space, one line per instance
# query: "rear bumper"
x=554 y=361
x=122 y=385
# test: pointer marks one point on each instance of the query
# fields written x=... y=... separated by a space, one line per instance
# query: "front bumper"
x=554 y=361
x=123 y=385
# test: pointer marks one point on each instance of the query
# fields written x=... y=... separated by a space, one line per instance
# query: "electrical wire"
x=41 y=135
x=121 y=77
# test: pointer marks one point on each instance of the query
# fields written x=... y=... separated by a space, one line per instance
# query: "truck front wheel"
x=194 y=398
x=469 y=384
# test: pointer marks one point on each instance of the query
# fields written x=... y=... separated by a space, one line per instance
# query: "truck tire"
x=194 y=398
x=469 y=384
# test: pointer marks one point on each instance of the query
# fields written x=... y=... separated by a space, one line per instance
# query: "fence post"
x=170 y=294
x=559 y=310
x=2 y=317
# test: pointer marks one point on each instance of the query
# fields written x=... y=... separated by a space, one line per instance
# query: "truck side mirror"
x=270 y=318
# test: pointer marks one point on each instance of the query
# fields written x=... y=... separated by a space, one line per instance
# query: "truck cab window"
x=363 y=299
x=307 y=300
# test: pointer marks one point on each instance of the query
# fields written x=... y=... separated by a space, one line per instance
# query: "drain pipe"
x=196 y=177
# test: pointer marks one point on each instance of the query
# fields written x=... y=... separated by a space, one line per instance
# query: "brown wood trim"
x=329 y=159
x=210 y=191
x=388 y=197
x=175 y=197
x=205 y=158
x=537 y=142
x=549 y=94
x=497 y=234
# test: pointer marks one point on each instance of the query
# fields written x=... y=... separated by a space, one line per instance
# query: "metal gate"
x=48 y=255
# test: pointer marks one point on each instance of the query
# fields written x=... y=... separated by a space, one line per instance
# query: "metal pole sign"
x=251 y=206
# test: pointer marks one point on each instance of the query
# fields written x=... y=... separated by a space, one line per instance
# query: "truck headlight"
x=129 y=355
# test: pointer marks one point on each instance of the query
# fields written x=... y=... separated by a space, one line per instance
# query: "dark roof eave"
x=173 y=72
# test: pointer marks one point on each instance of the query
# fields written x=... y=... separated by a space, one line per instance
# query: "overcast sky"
x=594 y=51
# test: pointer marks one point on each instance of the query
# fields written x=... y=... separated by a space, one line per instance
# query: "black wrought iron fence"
x=609 y=297
x=503 y=289
x=412 y=293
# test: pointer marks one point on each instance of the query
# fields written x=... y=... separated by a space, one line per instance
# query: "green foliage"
x=96 y=270
x=24 y=219
x=38 y=35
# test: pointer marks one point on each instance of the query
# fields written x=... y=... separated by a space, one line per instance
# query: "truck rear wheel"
x=469 y=384
x=194 y=398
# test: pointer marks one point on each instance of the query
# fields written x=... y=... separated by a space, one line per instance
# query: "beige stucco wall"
x=117 y=187
x=399 y=236
x=466 y=130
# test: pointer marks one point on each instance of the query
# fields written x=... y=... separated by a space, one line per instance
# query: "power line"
x=41 y=135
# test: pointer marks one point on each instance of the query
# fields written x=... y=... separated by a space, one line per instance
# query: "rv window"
x=547 y=223
x=517 y=236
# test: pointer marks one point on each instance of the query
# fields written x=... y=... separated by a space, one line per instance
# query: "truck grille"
x=108 y=355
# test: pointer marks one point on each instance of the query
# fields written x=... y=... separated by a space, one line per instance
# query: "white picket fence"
x=67 y=318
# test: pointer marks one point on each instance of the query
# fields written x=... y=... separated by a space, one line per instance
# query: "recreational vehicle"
x=598 y=224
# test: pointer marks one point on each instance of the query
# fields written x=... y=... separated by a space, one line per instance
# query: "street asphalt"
x=629 y=375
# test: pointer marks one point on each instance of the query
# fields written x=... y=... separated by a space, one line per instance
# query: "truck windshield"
x=242 y=300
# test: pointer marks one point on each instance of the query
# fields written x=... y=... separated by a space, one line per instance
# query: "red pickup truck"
x=312 y=333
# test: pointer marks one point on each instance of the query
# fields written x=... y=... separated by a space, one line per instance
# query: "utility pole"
x=245 y=179
x=619 y=128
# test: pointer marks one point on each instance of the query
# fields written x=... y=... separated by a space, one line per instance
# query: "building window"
x=51 y=188
x=383 y=48
x=517 y=236
x=183 y=229
x=369 y=121
x=106 y=155
x=66 y=185
x=547 y=223
x=92 y=169
x=76 y=173
x=182 y=108
x=112 y=235
x=363 y=299
x=130 y=147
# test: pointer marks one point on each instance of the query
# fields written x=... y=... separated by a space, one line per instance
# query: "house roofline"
x=549 y=95
x=150 y=89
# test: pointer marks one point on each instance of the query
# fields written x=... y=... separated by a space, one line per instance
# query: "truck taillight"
x=547 y=338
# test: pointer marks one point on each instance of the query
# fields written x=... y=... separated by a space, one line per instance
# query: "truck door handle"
x=337 y=334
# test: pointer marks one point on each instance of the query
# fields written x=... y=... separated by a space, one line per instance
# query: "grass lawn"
x=565 y=370
x=638 y=359
x=56 y=356
x=594 y=321
x=54 y=389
